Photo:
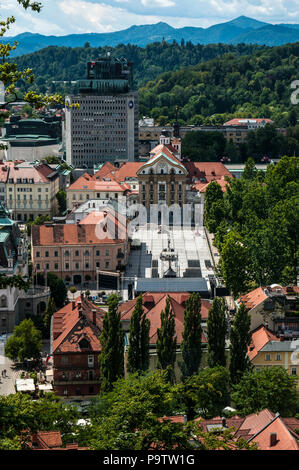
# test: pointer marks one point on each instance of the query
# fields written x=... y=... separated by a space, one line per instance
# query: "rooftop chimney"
x=73 y=304
x=94 y=317
x=273 y=439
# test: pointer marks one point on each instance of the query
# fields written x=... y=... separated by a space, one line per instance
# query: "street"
x=7 y=384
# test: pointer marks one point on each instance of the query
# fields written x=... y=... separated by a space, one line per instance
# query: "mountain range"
x=240 y=30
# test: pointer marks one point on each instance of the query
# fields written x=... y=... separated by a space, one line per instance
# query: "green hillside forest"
x=254 y=85
x=65 y=63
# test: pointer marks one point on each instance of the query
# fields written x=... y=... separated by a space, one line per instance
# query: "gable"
x=162 y=164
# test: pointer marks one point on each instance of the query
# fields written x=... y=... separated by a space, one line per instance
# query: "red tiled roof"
x=154 y=303
x=38 y=174
x=210 y=171
x=48 y=439
x=91 y=184
x=202 y=187
x=253 y=298
x=85 y=233
x=105 y=170
x=236 y=121
x=259 y=338
x=69 y=327
x=173 y=419
x=51 y=440
x=286 y=440
x=258 y=427
x=128 y=170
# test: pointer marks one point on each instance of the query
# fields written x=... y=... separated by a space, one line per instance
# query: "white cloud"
x=158 y=3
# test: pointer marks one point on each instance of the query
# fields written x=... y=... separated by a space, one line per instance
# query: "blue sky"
x=80 y=16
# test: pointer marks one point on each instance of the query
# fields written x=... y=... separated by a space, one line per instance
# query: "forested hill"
x=66 y=63
x=255 y=85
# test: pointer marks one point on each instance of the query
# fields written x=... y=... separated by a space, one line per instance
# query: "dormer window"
x=84 y=344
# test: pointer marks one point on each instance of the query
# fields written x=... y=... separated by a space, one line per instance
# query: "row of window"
x=67 y=266
x=99 y=196
x=67 y=253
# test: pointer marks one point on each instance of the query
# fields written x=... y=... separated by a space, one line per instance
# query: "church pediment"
x=162 y=164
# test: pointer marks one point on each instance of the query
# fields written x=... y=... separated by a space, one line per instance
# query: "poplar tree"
x=111 y=359
x=50 y=310
x=166 y=342
x=191 y=344
x=240 y=338
x=138 y=354
x=217 y=328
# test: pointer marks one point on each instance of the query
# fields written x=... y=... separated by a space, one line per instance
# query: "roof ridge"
x=277 y=415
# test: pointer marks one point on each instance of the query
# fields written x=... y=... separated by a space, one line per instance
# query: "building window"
x=47 y=254
x=38 y=254
x=38 y=267
x=268 y=357
x=56 y=254
x=107 y=264
x=107 y=252
x=294 y=371
x=67 y=266
x=3 y=301
x=66 y=253
x=278 y=357
x=77 y=265
x=90 y=361
x=77 y=253
x=56 y=266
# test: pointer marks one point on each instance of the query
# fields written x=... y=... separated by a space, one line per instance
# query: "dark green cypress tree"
x=111 y=359
x=166 y=342
x=191 y=344
x=240 y=338
x=217 y=328
x=50 y=310
x=138 y=354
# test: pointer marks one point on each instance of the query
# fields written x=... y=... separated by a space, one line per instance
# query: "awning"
x=25 y=385
x=45 y=387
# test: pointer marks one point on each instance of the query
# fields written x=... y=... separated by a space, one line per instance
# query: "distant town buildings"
x=274 y=306
x=251 y=123
x=31 y=139
x=102 y=121
x=77 y=252
x=29 y=189
x=163 y=179
x=15 y=303
x=267 y=349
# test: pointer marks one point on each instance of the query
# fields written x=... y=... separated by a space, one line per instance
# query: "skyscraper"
x=102 y=121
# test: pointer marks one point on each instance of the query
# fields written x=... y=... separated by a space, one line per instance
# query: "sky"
x=60 y=17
